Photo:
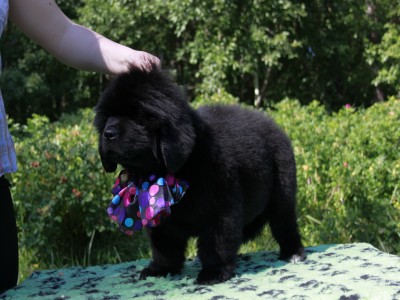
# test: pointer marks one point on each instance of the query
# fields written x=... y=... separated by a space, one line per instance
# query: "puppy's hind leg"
x=282 y=221
x=282 y=210
x=168 y=250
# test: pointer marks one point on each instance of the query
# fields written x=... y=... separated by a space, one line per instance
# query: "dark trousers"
x=8 y=239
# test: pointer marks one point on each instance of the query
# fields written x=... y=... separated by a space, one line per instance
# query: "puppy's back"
x=243 y=131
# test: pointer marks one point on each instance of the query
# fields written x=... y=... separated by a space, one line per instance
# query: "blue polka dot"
x=116 y=200
x=128 y=222
x=145 y=185
x=160 y=181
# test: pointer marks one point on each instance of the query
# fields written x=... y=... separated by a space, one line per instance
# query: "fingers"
x=146 y=61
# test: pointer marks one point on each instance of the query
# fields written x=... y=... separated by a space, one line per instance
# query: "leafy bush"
x=348 y=176
x=348 y=172
x=61 y=193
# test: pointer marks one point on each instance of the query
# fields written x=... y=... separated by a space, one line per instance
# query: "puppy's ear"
x=176 y=143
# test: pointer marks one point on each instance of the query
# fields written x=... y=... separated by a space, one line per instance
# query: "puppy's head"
x=144 y=123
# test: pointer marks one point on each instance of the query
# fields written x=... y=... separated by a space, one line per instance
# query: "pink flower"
x=77 y=193
x=347 y=105
x=35 y=164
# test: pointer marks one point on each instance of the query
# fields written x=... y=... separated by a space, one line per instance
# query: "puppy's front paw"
x=213 y=276
x=153 y=271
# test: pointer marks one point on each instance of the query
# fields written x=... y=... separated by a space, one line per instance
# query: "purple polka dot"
x=110 y=210
x=144 y=199
x=160 y=202
x=116 y=190
x=119 y=213
x=138 y=225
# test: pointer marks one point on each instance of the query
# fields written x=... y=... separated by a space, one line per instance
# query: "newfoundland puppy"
x=238 y=163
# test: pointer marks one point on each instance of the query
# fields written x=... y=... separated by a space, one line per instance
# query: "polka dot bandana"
x=138 y=203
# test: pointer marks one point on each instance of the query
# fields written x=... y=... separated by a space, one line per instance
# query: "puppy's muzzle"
x=111 y=133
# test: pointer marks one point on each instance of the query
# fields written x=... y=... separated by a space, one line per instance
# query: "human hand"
x=144 y=61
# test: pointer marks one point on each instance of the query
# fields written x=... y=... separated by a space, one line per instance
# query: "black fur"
x=239 y=165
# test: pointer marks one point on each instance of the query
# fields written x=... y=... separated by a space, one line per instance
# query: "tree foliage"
x=257 y=51
x=385 y=56
x=34 y=82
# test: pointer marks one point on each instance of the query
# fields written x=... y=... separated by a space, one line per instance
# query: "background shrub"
x=348 y=172
x=61 y=193
x=348 y=176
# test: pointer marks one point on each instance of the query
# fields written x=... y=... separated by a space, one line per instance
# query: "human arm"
x=73 y=44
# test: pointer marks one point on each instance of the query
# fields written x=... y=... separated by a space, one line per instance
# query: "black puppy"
x=239 y=165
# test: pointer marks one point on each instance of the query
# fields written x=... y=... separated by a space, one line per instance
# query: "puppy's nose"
x=111 y=132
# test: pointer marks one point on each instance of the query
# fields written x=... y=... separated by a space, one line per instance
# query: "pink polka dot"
x=132 y=190
x=138 y=214
x=152 y=200
x=144 y=222
x=149 y=213
x=153 y=189
x=114 y=218
x=170 y=180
